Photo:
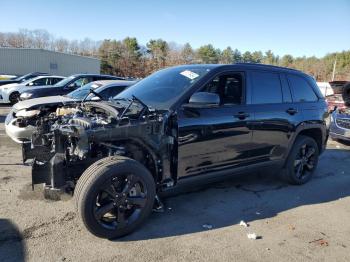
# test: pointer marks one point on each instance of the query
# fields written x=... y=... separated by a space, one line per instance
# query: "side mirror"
x=204 y=99
x=30 y=84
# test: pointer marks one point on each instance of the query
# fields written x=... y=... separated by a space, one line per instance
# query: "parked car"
x=65 y=86
x=179 y=125
x=23 y=78
x=340 y=117
x=10 y=93
x=340 y=125
x=21 y=121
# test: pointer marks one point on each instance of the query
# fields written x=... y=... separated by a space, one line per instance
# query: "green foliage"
x=128 y=58
x=226 y=56
x=207 y=54
x=187 y=54
x=136 y=63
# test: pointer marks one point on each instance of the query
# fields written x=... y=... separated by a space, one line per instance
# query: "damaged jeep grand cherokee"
x=179 y=124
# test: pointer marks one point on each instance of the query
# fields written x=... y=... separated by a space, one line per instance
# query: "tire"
x=114 y=196
x=302 y=157
x=14 y=98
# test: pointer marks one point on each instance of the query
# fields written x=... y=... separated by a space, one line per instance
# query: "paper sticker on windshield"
x=189 y=74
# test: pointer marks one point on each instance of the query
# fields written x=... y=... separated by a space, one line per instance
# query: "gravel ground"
x=294 y=223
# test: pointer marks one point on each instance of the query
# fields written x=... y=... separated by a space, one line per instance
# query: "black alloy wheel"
x=114 y=196
x=302 y=160
x=119 y=201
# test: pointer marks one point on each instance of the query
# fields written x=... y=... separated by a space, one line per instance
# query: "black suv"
x=65 y=86
x=179 y=124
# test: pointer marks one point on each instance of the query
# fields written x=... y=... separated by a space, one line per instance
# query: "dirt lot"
x=295 y=223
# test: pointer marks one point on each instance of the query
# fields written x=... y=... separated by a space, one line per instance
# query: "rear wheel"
x=302 y=160
x=14 y=98
x=114 y=196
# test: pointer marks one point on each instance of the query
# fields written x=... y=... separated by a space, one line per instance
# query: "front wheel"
x=14 y=98
x=114 y=196
x=302 y=160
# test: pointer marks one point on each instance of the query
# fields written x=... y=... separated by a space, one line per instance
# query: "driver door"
x=215 y=138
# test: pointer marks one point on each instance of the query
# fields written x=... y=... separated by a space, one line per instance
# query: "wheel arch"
x=12 y=93
x=316 y=131
x=134 y=146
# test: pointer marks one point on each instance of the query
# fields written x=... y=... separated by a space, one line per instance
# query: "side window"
x=287 y=97
x=301 y=90
x=40 y=82
x=266 y=88
x=55 y=80
x=228 y=86
x=81 y=81
x=112 y=91
x=96 y=78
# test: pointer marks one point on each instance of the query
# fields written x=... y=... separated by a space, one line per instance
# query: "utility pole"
x=334 y=66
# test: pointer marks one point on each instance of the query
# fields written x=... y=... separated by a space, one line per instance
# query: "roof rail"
x=265 y=65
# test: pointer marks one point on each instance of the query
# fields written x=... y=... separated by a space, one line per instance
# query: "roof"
x=45 y=50
x=245 y=66
x=114 y=82
x=47 y=76
x=265 y=66
x=83 y=74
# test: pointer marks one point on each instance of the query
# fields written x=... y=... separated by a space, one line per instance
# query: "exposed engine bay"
x=73 y=137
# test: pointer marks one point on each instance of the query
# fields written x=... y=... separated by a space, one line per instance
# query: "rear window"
x=266 y=88
x=302 y=91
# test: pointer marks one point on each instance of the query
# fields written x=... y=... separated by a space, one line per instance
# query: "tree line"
x=127 y=57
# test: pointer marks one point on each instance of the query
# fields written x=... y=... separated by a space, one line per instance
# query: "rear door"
x=275 y=115
x=305 y=98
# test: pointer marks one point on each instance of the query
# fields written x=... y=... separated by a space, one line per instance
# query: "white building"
x=20 y=61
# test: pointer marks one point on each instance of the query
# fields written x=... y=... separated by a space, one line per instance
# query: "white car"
x=10 y=93
x=20 y=123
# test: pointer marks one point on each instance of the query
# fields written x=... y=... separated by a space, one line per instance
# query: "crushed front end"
x=72 y=138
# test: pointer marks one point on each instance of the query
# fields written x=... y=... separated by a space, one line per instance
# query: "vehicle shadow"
x=247 y=197
x=12 y=245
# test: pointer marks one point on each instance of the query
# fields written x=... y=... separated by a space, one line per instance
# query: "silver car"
x=20 y=123
x=10 y=93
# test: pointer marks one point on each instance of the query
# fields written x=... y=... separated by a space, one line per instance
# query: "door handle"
x=291 y=111
x=241 y=115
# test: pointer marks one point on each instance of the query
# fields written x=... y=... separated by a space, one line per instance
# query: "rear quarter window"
x=266 y=88
x=302 y=91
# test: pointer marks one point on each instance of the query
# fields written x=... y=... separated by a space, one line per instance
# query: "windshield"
x=24 y=78
x=161 y=89
x=81 y=92
x=64 y=81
